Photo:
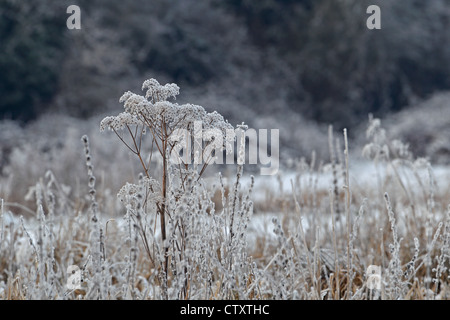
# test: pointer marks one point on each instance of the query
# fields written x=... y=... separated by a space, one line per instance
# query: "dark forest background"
x=250 y=60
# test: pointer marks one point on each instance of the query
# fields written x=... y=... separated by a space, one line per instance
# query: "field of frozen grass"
x=310 y=232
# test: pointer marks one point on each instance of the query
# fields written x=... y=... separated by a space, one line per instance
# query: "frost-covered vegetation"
x=139 y=227
x=92 y=208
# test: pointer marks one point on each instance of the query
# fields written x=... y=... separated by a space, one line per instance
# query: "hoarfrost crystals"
x=153 y=109
x=158 y=92
x=119 y=122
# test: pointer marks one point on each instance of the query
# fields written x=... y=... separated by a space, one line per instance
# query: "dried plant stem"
x=336 y=263
x=302 y=234
x=334 y=169
x=162 y=214
x=347 y=213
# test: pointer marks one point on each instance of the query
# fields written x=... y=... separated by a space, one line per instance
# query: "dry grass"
x=288 y=238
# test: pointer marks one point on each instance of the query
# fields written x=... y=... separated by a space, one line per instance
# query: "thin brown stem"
x=124 y=142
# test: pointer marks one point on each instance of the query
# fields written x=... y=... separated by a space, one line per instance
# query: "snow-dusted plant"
x=151 y=123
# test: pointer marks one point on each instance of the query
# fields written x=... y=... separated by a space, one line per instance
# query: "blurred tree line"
x=31 y=49
x=313 y=57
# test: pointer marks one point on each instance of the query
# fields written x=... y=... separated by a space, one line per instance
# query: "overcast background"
x=293 y=65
